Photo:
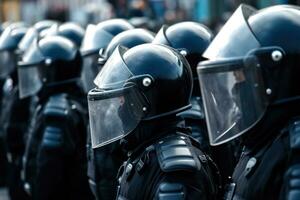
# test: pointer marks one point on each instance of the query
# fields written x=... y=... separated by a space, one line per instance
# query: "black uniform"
x=15 y=118
x=55 y=163
x=136 y=102
x=104 y=162
x=14 y=112
x=163 y=170
x=191 y=39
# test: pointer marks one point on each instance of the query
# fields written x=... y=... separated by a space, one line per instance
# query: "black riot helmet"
x=128 y=39
x=9 y=41
x=69 y=30
x=253 y=68
x=44 y=24
x=98 y=36
x=191 y=38
x=137 y=85
x=51 y=61
x=34 y=33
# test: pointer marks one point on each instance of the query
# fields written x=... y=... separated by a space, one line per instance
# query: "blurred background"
x=210 y=12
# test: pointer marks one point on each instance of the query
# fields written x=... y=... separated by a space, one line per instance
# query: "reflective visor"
x=30 y=80
x=114 y=72
x=233 y=95
x=113 y=114
x=161 y=38
x=235 y=39
x=89 y=71
x=29 y=37
x=33 y=55
x=7 y=63
x=94 y=39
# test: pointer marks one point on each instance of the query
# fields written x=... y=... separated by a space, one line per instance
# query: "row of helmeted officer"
x=133 y=123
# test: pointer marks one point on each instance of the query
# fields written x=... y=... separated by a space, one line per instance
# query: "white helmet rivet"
x=183 y=52
x=147 y=82
x=268 y=91
x=48 y=61
x=276 y=55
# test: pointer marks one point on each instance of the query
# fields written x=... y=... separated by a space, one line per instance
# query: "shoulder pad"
x=294 y=131
x=171 y=191
x=195 y=112
x=57 y=107
x=293 y=184
x=52 y=137
x=176 y=153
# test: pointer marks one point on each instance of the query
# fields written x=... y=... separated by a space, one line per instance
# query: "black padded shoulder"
x=57 y=108
x=175 y=153
x=170 y=191
x=292 y=186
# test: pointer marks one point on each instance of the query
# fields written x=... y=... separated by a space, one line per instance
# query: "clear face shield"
x=115 y=110
x=89 y=71
x=160 y=37
x=231 y=81
x=7 y=63
x=94 y=39
x=30 y=36
x=29 y=74
x=233 y=95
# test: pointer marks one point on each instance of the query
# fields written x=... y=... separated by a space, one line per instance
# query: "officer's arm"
x=55 y=148
x=291 y=182
x=291 y=188
x=170 y=191
x=181 y=170
x=50 y=162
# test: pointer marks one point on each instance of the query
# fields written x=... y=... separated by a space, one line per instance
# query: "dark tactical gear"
x=137 y=95
x=103 y=163
x=268 y=169
x=253 y=78
x=55 y=164
x=164 y=170
x=14 y=112
x=192 y=39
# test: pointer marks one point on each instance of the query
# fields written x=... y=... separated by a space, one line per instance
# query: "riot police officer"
x=111 y=157
x=98 y=37
x=139 y=92
x=250 y=90
x=55 y=155
x=192 y=39
x=12 y=125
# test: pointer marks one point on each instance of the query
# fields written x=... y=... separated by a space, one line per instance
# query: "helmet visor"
x=7 y=63
x=113 y=114
x=114 y=72
x=94 y=39
x=89 y=71
x=235 y=39
x=30 y=80
x=161 y=38
x=32 y=55
x=29 y=37
x=233 y=95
